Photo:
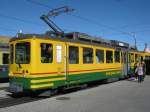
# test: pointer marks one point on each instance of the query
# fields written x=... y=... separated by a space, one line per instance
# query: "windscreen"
x=22 y=53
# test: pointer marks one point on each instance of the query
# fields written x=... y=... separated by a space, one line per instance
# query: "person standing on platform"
x=135 y=72
x=139 y=71
x=144 y=69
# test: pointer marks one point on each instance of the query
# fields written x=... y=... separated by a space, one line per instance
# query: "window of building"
x=11 y=53
x=87 y=55
x=99 y=56
x=117 y=57
x=5 y=58
x=109 y=57
x=73 y=55
x=46 y=53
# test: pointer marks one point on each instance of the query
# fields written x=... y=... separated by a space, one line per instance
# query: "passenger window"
x=87 y=55
x=117 y=57
x=99 y=56
x=147 y=57
x=109 y=57
x=137 y=58
x=131 y=58
x=73 y=55
x=46 y=53
x=5 y=58
x=142 y=58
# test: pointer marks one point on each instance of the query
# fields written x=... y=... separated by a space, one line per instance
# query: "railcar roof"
x=64 y=39
x=47 y=37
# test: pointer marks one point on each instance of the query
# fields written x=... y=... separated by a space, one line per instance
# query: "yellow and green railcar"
x=136 y=57
x=4 y=61
x=47 y=62
x=147 y=62
x=41 y=63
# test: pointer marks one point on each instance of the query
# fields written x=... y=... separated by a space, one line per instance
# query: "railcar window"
x=5 y=58
x=73 y=55
x=46 y=53
x=87 y=55
x=11 y=54
x=137 y=58
x=147 y=57
x=141 y=58
x=22 y=53
x=99 y=56
x=117 y=57
x=109 y=57
x=131 y=58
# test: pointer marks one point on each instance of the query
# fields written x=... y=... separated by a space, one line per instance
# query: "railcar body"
x=4 y=61
x=136 y=57
x=40 y=62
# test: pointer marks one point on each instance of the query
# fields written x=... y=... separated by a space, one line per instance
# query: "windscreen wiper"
x=19 y=65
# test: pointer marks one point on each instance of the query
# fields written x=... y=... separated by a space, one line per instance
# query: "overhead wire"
x=8 y=29
x=18 y=19
x=79 y=17
x=37 y=3
x=85 y=19
x=73 y=15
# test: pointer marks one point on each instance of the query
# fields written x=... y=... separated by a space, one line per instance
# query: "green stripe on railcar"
x=58 y=81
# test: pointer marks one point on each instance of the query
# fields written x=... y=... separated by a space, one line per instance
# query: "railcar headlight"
x=10 y=74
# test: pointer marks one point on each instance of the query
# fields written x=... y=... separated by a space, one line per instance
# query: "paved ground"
x=122 y=96
x=3 y=90
x=3 y=85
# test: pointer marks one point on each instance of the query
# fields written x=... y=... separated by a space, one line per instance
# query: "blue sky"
x=106 y=18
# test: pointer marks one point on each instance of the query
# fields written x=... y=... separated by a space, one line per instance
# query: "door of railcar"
x=147 y=62
x=61 y=59
x=124 y=56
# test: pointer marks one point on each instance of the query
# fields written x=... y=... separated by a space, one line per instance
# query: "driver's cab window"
x=46 y=53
